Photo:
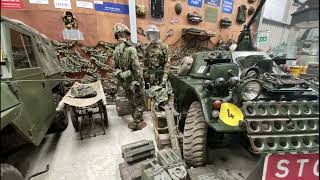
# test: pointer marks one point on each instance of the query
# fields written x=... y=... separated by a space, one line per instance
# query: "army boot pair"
x=137 y=126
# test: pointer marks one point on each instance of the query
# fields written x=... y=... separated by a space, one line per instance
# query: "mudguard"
x=191 y=90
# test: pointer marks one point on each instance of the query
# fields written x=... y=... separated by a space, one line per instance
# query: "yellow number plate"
x=230 y=114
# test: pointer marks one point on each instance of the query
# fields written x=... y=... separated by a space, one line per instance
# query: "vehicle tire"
x=195 y=136
x=61 y=120
x=74 y=119
x=9 y=172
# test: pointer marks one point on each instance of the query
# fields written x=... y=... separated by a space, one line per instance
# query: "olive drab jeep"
x=243 y=92
x=31 y=87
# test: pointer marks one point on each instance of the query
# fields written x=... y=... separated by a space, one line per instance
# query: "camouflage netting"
x=100 y=54
x=182 y=48
x=88 y=63
x=178 y=54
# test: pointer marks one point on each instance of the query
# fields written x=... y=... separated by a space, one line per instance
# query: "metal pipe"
x=255 y=14
x=133 y=20
x=173 y=133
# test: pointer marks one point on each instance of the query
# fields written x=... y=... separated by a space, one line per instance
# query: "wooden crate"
x=163 y=140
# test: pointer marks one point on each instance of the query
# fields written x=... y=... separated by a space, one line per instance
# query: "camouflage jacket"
x=125 y=58
x=157 y=57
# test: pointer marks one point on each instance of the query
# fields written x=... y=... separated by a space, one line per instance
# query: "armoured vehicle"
x=31 y=87
x=243 y=92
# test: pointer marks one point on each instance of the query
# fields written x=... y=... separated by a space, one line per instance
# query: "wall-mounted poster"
x=38 y=1
x=111 y=7
x=211 y=14
x=62 y=4
x=213 y=2
x=227 y=6
x=84 y=4
x=11 y=4
x=195 y=3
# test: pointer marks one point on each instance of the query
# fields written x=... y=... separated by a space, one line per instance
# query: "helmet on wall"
x=178 y=8
x=251 y=10
x=120 y=29
x=141 y=10
x=153 y=33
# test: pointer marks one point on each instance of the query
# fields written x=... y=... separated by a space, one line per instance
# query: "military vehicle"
x=31 y=87
x=243 y=92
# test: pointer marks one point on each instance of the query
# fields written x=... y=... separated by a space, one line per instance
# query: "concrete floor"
x=93 y=158
x=98 y=158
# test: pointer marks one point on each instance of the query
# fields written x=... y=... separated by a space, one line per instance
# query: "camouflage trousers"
x=136 y=100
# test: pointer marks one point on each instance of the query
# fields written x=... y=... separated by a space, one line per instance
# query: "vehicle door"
x=29 y=81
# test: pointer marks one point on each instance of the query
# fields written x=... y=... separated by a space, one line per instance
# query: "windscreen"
x=48 y=57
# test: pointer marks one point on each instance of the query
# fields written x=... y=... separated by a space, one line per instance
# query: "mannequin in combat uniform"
x=157 y=62
x=157 y=66
x=129 y=74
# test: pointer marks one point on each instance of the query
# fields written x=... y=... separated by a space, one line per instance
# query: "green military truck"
x=31 y=87
x=246 y=94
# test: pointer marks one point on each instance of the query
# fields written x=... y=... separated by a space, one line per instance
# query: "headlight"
x=250 y=90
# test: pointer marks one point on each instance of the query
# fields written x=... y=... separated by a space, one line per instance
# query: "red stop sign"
x=291 y=167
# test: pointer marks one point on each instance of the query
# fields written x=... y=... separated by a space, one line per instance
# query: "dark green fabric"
x=242 y=12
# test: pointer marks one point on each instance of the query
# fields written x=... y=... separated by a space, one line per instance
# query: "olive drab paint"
x=27 y=92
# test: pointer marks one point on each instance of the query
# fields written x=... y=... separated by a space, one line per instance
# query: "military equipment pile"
x=141 y=163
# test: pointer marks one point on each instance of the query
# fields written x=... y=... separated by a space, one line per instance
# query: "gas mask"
x=153 y=34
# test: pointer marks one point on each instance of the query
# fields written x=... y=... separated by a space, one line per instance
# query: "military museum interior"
x=159 y=90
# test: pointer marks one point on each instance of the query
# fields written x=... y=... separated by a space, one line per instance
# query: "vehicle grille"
x=282 y=126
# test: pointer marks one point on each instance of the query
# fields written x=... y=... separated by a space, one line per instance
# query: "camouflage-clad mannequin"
x=157 y=66
x=129 y=73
